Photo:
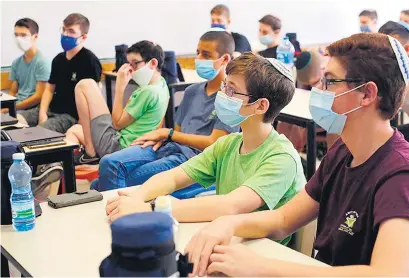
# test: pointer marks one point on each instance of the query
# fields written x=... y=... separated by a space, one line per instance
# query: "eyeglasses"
x=331 y=81
x=135 y=63
x=229 y=91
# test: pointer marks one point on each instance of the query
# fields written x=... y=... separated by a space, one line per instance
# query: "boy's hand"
x=154 y=138
x=124 y=205
x=124 y=75
x=200 y=247
x=42 y=117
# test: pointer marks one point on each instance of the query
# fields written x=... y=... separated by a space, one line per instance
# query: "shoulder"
x=59 y=58
x=42 y=60
x=192 y=89
x=238 y=36
x=229 y=140
x=16 y=61
x=89 y=54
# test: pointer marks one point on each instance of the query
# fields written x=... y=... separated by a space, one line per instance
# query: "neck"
x=155 y=77
x=272 y=45
x=213 y=86
x=364 y=140
x=71 y=53
x=255 y=132
x=29 y=54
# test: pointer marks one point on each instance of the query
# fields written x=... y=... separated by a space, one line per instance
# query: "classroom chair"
x=170 y=112
x=303 y=241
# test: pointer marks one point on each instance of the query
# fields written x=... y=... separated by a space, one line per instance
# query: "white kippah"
x=216 y=29
x=281 y=67
x=401 y=57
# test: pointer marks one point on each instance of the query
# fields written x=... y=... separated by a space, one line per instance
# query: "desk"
x=52 y=154
x=9 y=102
x=297 y=113
x=73 y=241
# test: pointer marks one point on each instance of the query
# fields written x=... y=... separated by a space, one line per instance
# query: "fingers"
x=204 y=256
x=157 y=146
x=221 y=249
x=124 y=193
x=196 y=253
x=218 y=267
x=216 y=258
x=111 y=206
x=148 y=143
x=114 y=215
x=190 y=247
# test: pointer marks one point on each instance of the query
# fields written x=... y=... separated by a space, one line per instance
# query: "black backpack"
x=120 y=56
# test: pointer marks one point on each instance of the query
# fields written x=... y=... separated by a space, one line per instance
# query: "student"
x=368 y=20
x=257 y=169
x=57 y=109
x=220 y=16
x=360 y=193
x=102 y=133
x=269 y=35
x=197 y=125
x=400 y=31
x=31 y=71
x=404 y=16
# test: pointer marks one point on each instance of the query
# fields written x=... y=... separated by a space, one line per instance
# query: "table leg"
x=69 y=171
x=108 y=90
x=12 y=110
x=311 y=149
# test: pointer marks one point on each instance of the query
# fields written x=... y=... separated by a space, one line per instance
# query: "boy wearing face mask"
x=31 y=71
x=57 y=109
x=102 y=133
x=197 y=124
x=269 y=35
x=257 y=169
x=368 y=20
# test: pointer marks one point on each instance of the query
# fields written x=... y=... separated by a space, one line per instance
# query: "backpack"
x=120 y=56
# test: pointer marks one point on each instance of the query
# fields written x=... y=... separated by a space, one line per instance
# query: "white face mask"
x=143 y=76
x=24 y=43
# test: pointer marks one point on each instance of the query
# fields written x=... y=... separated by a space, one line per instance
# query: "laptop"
x=35 y=136
x=6 y=119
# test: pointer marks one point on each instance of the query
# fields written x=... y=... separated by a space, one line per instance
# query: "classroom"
x=194 y=138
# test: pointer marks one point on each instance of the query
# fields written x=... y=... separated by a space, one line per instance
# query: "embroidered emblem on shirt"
x=74 y=76
x=347 y=226
x=212 y=115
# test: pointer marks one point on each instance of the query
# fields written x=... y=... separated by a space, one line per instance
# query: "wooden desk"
x=8 y=101
x=297 y=113
x=73 y=241
x=64 y=153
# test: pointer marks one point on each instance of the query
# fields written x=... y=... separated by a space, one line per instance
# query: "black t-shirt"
x=65 y=74
x=241 y=42
x=269 y=52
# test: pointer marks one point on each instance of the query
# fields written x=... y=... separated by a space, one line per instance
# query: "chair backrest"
x=169 y=70
x=170 y=112
x=304 y=238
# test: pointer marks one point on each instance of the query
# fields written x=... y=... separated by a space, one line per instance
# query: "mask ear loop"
x=359 y=107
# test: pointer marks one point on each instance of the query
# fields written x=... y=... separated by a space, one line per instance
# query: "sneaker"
x=83 y=158
x=46 y=175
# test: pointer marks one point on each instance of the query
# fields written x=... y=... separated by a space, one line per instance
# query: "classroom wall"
x=177 y=25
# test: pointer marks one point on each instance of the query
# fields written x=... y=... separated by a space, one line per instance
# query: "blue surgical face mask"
x=322 y=113
x=205 y=69
x=267 y=39
x=217 y=25
x=228 y=109
x=365 y=29
x=68 y=43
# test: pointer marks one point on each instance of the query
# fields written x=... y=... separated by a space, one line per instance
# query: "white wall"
x=177 y=25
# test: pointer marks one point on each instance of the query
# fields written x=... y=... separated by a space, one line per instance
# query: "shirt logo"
x=350 y=219
x=212 y=115
x=74 y=76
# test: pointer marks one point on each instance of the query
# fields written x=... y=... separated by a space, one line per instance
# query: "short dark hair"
x=394 y=28
x=263 y=80
x=271 y=20
x=221 y=10
x=405 y=12
x=29 y=24
x=77 y=19
x=370 y=57
x=148 y=50
x=372 y=14
x=224 y=41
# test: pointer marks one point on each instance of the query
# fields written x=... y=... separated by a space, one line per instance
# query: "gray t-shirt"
x=196 y=115
x=28 y=74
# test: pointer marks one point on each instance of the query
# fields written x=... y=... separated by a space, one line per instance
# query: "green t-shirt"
x=273 y=170
x=147 y=105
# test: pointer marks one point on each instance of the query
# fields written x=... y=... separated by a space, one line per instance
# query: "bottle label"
x=22 y=212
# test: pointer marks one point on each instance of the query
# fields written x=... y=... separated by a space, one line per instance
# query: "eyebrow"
x=232 y=84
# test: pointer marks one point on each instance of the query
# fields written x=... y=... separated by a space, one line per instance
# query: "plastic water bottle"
x=164 y=204
x=22 y=199
x=285 y=52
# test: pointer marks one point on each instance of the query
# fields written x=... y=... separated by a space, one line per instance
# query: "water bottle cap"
x=163 y=202
x=19 y=156
x=286 y=38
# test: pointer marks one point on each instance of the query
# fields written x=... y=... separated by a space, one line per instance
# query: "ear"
x=35 y=36
x=370 y=91
x=84 y=37
x=262 y=106
x=226 y=59
x=406 y=46
x=154 y=63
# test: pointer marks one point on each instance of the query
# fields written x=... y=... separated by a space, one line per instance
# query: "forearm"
x=29 y=102
x=45 y=101
x=203 y=209
x=200 y=142
x=282 y=268
x=118 y=107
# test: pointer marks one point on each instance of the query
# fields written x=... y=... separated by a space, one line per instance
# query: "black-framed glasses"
x=135 y=63
x=229 y=91
x=332 y=81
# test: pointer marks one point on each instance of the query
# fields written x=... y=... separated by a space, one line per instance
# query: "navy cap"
x=140 y=230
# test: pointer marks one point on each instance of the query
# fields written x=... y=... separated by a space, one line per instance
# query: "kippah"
x=401 y=57
x=281 y=67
